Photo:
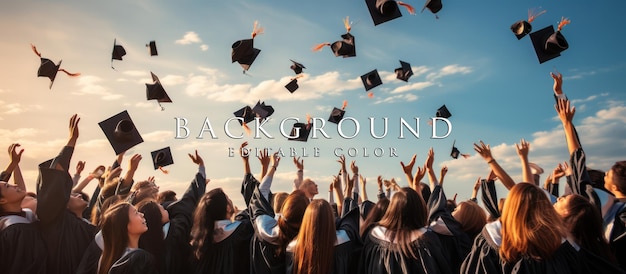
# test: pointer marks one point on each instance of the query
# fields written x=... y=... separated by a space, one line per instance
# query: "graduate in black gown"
x=66 y=235
x=22 y=250
x=401 y=242
x=122 y=225
x=168 y=232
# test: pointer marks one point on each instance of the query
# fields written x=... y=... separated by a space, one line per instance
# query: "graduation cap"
x=47 y=68
x=300 y=132
x=243 y=51
x=434 y=6
x=292 y=85
x=262 y=110
x=121 y=132
x=549 y=44
x=162 y=158
x=118 y=52
x=371 y=80
x=346 y=47
x=443 y=112
x=246 y=114
x=337 y=114
x=404 y=72
x=155 y=91
x=297 y=67
x=386 y=10
x=455 y=152
x=153 y=48
x=523 y=27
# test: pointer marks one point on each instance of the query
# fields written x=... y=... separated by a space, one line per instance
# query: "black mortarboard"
x=246 y=113
x=292 y=85
x=244 y=53
x=262 y=111
x=155 y=91
x=371 y=80
x=383 y=10
x=548 y=44
x=297 y=67
x=433 y=5
x=118 y=52
x=443 y=112
x=47 y=68
x=301 y=131
x=455 y=151
x=153 y=49
x=521 y=28
x=121 y=132
x=345 y=47
x=162 y=158
x=336 y=115
x=404 y=72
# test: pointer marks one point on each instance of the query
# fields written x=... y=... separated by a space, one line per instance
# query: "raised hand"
x=419 y=175
x=444 y=171
x=134 y=162
x=73 y=130
x=111 y=175
x=264 y=157
x=196 y=159
x=80 y=166
x=299 y=163
x=342 y=162
x=408 y=169
x=430 y=159
x=522 y=148
x=275 y=160
x=484 y=151
x=558 y=83
x=14 y=154
x=243 y=152
x=566 y=114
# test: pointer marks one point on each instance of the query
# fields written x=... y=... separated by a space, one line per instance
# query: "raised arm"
x=408 y=171
x=444 y=171
x=566 y=115
x=475 y=189
x=417 y=179
x=338 y=193
x=15 y=157
x=94 y=175
x=266 y=183
x=557 y=87
x=363 y=182
x=490 y=196
x=429 y=168
x=522 y=150
x=80 y=166
x=485 y=152
x=264 y=159
x=299 y=174
x=132 y=168
x=245 y=156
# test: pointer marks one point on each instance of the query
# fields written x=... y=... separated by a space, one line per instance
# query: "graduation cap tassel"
x=308 y=121
x=465 y=155
x=564 y=21
x=370 y=94
x=408 y=7
x=256 y=29
x=35 y=50
x=318 y=47
x=532 y=14
x=165 y=171
x=162 y=108
x=246 y=129
x=345 y=104
x=69 y=73
x=347 y=24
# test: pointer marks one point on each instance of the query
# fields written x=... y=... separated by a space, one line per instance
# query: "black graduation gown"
x=231 y=252
x=346 y=248
x=382 y=256
x=263 y=246
x=22 y=249
x=66 y=236
x=454 y=240
x=89 y=261
x=484 y=258
x=137 y=261
x=177 y=249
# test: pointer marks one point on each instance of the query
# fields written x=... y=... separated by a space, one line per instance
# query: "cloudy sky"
x=468 y=59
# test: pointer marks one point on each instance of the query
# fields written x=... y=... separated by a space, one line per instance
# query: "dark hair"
x=450 y=205
x=425 y=191
x=376 y=213
x=315 y=246
x=583 y=220
x=289 y=224
x=115 y=235
x=212 y=207
x=597 y=177
x=153 y=239
x=96 y=213
x=406 y=213
x=619 y=175
x=166 y=196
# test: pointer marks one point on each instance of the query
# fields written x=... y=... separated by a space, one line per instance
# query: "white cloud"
x=408 y=97
x=157 y=136
x=411 y=87
x=189 y=38
x=449 y=70
x=204 y=47
x=17 y=108
x=135 y=73
x=89 y=85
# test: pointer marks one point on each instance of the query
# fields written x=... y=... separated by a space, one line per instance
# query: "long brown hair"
x=530 y=225
x=212 y=207
x=471 y=217
x=153 y=240
x=291 y=219
x=406 y=213
x=115 y=235
x=375 y=215
x=315 y=245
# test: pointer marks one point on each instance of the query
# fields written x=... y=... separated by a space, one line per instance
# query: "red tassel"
x=308 y=119
x=465 y=155
x=345 y=104
x=347 y=24
x=564 y=21
x=318 y=47
x=408 y=7
x=35 y=50
x=164 y=170
x=370 y=94
x=246 y=129
x=532 y=14
x=256 y=29
x=69 y=73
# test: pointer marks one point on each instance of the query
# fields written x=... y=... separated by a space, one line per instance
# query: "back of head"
x=291 y=219
x=425 y=191
x=96 y=215
x=471 y=216
x=153 y=239
x=530 y=225
x=375 y=214
x=406 y=213
x=212 y=207
x=279 y=200
x=314 y=251
x=115 y=235
x=166 y=196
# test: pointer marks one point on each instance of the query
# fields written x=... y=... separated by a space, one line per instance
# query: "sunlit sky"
x=468 y=59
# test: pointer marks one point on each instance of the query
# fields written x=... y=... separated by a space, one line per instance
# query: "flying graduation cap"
x=523 y=27
x=155 y=91
x=121 y=132
x=162 y=158
x=49 y=69
x=434 y=6
x=118 y=52
x=443 y=112
x=344 y=48
x=300 y=131
x=292 y=86
x=337 y=114
x=243 y=51
x=152 y=47
x=296 y=67
x=404 y=72
x=386 y=10
x=549 y=44
x=455 y=152
x=248 y=114
x=371 y=80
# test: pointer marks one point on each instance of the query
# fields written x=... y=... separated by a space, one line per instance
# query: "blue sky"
x=467 y=59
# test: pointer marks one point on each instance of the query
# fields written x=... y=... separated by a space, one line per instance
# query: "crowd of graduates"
x=129 y=226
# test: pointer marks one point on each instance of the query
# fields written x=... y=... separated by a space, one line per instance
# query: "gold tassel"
x=318 y=47
x=69 y=73
x=347 y=24
x=256 y=29
x=165 y=171
x=345 y=104
x=564 y=21
x=246 y=129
